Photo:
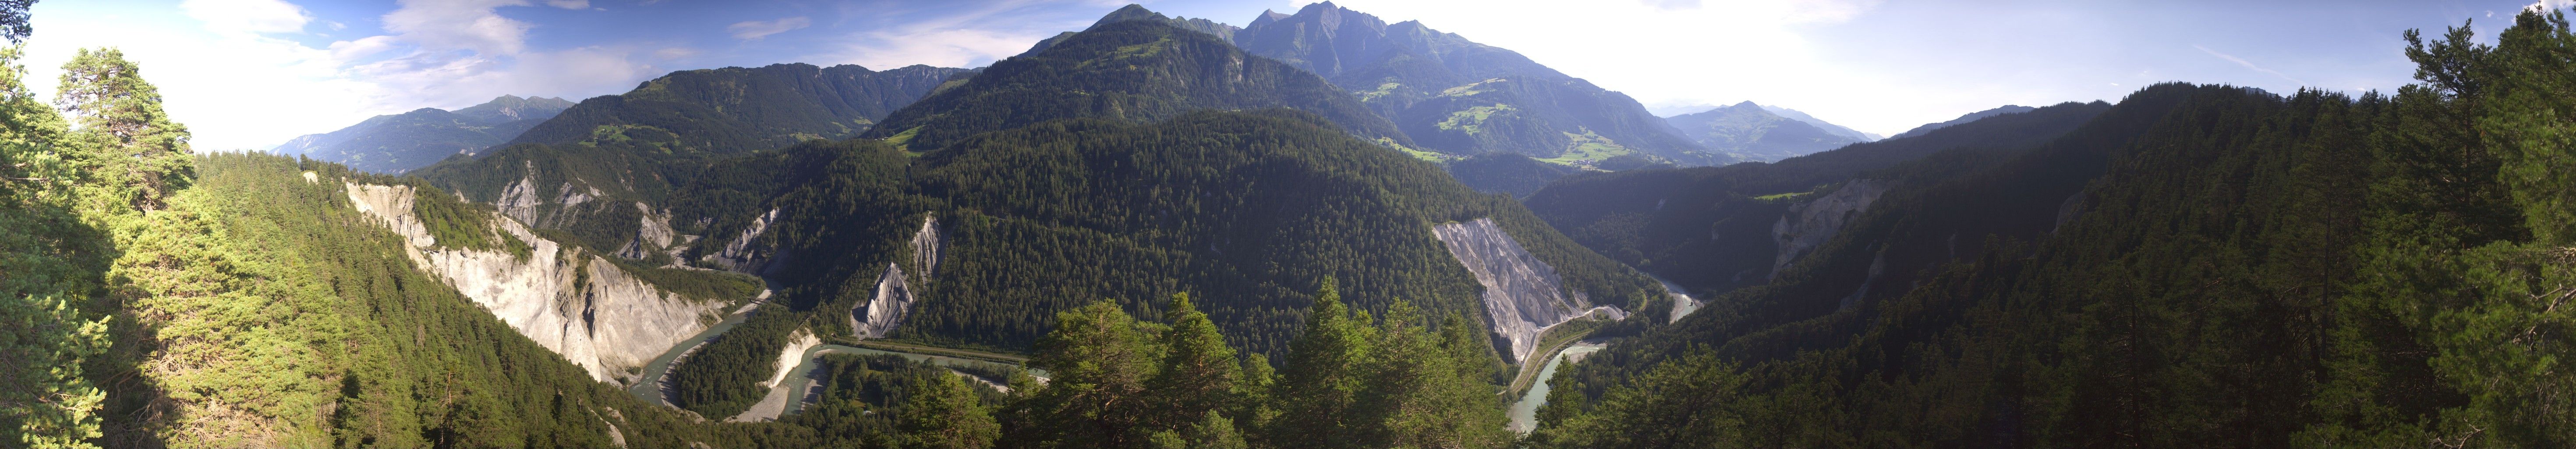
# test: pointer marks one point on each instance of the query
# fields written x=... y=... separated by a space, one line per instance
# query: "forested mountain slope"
x=606 y=170
x=401 y=142
x=2244 y=270
x=1460 y=97
x=162 y=300
x=1507 y=173
x=1714 y=229
x=1246 y=210
x=1969 y=117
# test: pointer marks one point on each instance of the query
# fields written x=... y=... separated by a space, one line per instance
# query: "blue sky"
x=252 y=73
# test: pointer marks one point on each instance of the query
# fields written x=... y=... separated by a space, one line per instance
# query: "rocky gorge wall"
x=1523 y=296
x=566 y=299
x=895 y=295
x=1813 y=223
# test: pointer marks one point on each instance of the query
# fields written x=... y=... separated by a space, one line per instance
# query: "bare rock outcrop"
x=1814 y=222
x=895 y=295
x=528 y=203
x=1523 y=296
x=568 y=300
x=747 y=252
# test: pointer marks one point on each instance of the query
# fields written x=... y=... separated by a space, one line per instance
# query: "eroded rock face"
x=895 y=296
x=1812 y=223
x=570 y=301
x=1523 y=296
x=747 y=252
x=883 y=312
x=652 y=233
x=529 y=204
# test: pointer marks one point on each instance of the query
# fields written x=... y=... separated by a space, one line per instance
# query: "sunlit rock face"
x=1523 y=297
x=775 y=402
x=568 y=300
x=1816 y=221
x=895 y=295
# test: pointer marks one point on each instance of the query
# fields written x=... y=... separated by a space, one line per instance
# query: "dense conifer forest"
x=2248 y=270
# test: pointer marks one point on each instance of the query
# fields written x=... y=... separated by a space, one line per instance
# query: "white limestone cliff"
x=792 y=355
x=895 y=295
x=1814 y=222
x=800 y=346
x=570 y=301
x=1523 y=296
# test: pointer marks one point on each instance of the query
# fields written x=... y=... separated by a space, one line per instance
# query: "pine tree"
x=1199 y=372
x=131 y=141
x=1326 y=372
x=1097 y=397
x=944 y=413
x=1419 y=394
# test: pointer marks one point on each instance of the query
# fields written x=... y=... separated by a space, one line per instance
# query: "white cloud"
x=754 y=29
x=2249 y=65
x=569 y=4
x=227 y=69
x=968 y=38
x=440 y=25
x=943 y=48
x=247 y=16
x=2544 y=6
x=234 y=87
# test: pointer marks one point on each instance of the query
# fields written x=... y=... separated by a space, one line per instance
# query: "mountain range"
x=1451 y=95
x=1754 y=132
x=1838 y=130
x=401 y=142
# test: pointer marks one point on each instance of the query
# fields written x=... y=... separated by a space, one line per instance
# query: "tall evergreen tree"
x=1326 y=372
x=1199 y=372
x=130 y=139
x=1097 y=397
x=1420 y=394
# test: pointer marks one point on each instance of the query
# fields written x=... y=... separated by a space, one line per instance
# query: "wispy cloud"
x=2249 y=65
x=960 y=38
x=753 y=30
